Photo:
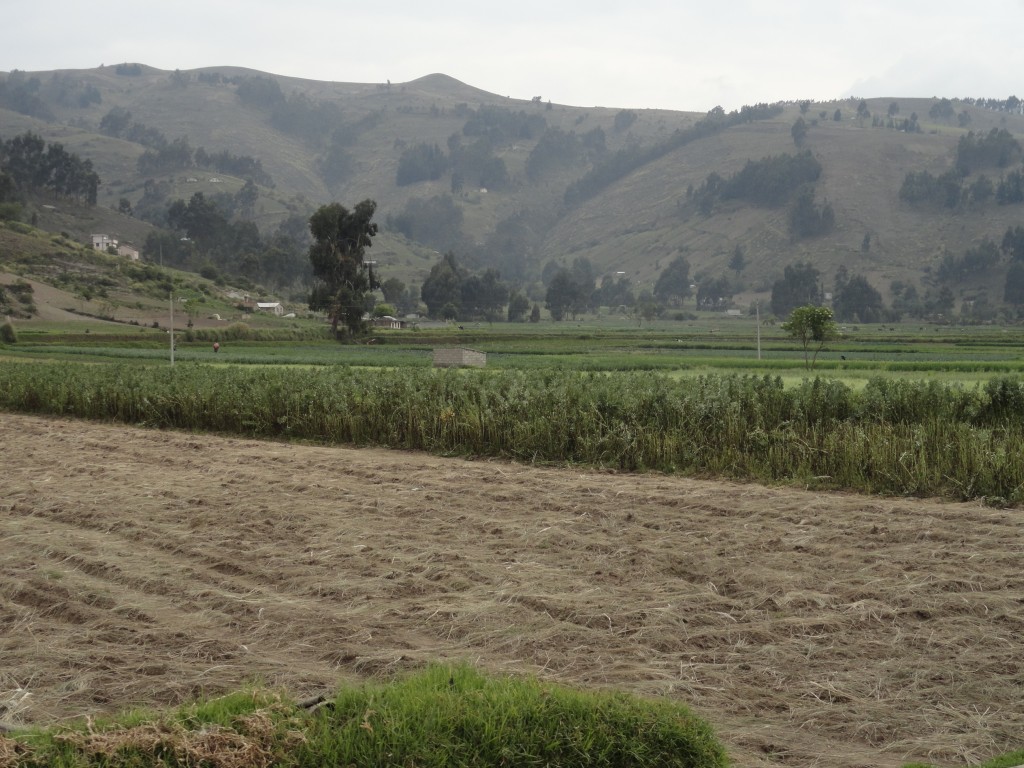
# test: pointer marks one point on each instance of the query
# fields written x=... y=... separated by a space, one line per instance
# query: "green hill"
x=498 y=195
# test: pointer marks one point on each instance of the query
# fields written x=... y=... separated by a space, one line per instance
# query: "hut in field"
x=459 y=357
x=270 y=306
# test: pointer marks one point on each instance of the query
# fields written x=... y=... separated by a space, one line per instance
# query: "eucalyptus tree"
x=341 y=278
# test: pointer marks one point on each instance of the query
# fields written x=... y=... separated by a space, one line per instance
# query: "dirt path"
x=143 y=568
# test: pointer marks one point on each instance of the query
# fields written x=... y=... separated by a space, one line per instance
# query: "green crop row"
x=893 y=436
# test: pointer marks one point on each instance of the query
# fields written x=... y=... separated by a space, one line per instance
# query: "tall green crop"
x=894 y=437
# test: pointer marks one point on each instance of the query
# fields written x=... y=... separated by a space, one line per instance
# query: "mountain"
x=521 y=185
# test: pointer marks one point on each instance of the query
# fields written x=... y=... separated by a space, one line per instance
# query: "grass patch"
x=444 y=716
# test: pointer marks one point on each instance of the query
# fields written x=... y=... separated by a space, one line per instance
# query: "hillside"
x=317 y=141
x=56 y=280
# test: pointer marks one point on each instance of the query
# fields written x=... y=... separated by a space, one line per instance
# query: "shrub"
x=11 y=212
x=7 y=334
x=458 y=717
x=19 y=227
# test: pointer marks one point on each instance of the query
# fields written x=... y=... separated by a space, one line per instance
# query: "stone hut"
x=459 y=357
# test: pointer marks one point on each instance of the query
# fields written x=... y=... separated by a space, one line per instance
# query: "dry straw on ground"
x=146 y=568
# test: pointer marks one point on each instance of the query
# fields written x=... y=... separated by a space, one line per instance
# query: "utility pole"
x=758 y=305
x=172 y=328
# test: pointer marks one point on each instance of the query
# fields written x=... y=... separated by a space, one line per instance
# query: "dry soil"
x=144 y=568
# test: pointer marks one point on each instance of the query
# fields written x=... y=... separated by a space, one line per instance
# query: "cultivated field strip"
x=145 y=567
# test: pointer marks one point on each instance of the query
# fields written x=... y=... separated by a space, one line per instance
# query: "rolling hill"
x=524 y=184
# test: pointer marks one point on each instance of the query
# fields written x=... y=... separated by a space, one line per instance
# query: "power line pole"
x=172 y=327
x=758 y=305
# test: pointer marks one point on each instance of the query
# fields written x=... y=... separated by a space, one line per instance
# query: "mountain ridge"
x=636 y=224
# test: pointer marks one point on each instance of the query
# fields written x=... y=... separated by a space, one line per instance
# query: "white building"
x=270 y=306
x=102 y=242
x=105 y=242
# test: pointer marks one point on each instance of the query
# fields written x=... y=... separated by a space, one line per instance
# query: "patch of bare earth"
x=143 y=568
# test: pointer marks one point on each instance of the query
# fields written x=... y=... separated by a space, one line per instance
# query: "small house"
x=103 y=242
x=128 y=252
x=273 y=307
x=387 y=321
x=459 y=357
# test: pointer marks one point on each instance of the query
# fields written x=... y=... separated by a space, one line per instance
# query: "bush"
x=243 y=332
x=7 y=334
x=19 y=227
x=11 y=212
x=461 y=718
x=237 y=332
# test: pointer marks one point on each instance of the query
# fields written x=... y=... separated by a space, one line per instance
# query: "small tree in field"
x=812 y=327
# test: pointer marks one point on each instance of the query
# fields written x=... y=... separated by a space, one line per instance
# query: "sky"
x=643 y=54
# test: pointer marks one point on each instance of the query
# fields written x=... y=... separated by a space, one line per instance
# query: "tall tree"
x=564 y=295
x=585 y=277
x=518 y=306
x=484 y=295
x=615 y=291
x=799 y=132
x=443 y=286
x=855 y=299
x=738 y=262
x=342 y=280
x=673 y=283
x=393 y=290
x=862 y=110
x=1013 y=291
x=714 y=293
x=799 y=285
x=1013 y=243
x=806 y=219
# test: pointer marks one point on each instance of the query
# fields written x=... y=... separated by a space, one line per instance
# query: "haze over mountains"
x=917 y=191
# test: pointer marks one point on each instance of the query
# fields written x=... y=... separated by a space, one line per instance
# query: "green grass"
x=445 y=717
x=709 y=344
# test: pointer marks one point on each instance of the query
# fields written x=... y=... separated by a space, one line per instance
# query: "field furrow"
x=145 y=567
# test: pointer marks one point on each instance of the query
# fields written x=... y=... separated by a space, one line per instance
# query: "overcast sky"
x=644 y=54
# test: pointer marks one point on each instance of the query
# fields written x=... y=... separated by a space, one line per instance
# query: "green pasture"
x=712 y=343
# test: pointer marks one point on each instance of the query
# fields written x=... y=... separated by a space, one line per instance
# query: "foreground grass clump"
x=442 y=717
x=894 y=437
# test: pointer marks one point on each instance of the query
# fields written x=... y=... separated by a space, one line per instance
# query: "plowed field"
x=144 y=568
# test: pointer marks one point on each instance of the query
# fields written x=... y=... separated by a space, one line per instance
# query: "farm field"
x=710 y=343
x=144 y=568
